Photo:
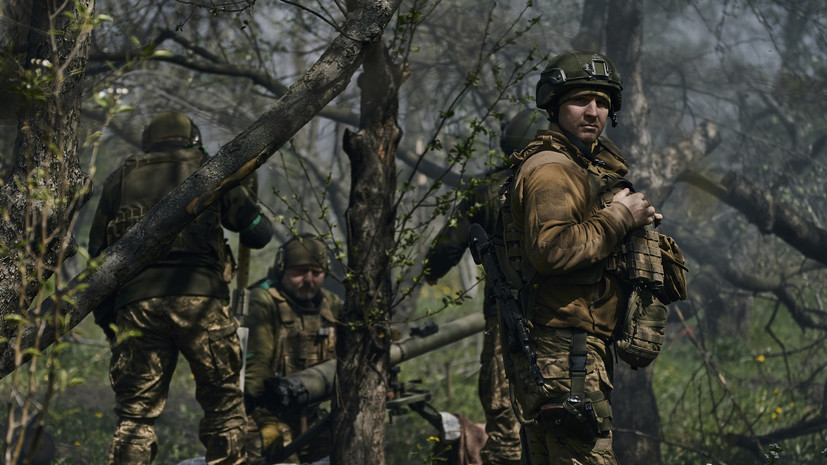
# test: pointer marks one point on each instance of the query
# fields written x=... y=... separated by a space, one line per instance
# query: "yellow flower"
x=98 y=415
x=77 y=443
x=433 y=438
x=760 y=358
x=792 y=404
x=779 y=410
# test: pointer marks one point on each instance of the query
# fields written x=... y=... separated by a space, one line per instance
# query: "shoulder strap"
x=286 y=314
x=326 y=309
x=543 y=158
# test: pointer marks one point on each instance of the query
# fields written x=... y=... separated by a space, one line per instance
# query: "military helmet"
x=522 y=129
x=170 y=124
x=579 y=68
x=302 y=250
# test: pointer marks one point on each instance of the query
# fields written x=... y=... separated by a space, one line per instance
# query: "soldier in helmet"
x=292 y=327
x=482 y=206
x=570 y=209
x=178 y=304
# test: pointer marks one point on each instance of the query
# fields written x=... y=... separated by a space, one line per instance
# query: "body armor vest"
x=637 y=260
x=303 y=339
x=146 y=179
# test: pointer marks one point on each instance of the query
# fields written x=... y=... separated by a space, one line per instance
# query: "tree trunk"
x=363 y=339
x=44 y=186
x=634 y=408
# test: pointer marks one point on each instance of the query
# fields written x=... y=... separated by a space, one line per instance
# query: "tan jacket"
x=561 y=204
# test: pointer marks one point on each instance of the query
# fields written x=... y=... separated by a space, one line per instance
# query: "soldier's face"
x=303 y=282
x=584 y=116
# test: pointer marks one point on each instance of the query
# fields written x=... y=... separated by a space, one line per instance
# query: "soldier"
x=482 y=206
x=570 y=210
x=292 y=327
x=180 y=303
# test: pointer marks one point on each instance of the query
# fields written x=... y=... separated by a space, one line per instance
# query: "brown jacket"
x=561 y=204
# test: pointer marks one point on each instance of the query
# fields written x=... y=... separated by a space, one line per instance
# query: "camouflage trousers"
x=545 y=446
x=503 y=446
x=204 y=332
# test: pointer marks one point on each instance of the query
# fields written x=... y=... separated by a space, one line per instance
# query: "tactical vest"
x=636 y=261
x=302 y=339
x=603 y=185
x=146 y=179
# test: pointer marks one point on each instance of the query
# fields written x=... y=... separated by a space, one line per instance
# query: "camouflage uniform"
x=573 y=290
x=180 y=303
x=288 y=335
x=503 y=445
x=567 y=228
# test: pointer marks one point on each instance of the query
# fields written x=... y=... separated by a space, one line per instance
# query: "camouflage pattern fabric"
x=200 y=328
x=552 y=347
x=503 y=445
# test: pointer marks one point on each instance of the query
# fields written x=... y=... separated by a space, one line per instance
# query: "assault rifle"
x=511 y=313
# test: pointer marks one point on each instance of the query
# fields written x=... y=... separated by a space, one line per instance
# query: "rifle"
x=511 y=313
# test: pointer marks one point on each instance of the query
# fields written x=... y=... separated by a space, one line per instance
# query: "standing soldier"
x=567 y=212
x=180 y=303
x=482 y=206
x=292 y=327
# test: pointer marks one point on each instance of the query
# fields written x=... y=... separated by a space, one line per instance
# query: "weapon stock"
x=511 y=314
x=315 y=384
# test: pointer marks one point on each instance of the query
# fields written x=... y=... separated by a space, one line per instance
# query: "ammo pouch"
x=641 y=333
x=638 y=259
x=674 y=270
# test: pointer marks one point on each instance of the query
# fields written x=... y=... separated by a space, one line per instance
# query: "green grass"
x=749 y=384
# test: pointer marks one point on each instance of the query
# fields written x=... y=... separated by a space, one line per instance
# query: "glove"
x=270 y=432
x=273 y=439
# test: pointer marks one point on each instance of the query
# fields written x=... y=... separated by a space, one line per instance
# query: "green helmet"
x=170 y=124
x=579 y=68
x=302 y=250
x=522 y=129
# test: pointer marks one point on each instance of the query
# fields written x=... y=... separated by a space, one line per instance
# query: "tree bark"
x=44 y=185
x=634 y=408
x=143 y=243
x=363 y=339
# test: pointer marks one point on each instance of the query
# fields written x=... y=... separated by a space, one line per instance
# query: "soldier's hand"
x=642 y=211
